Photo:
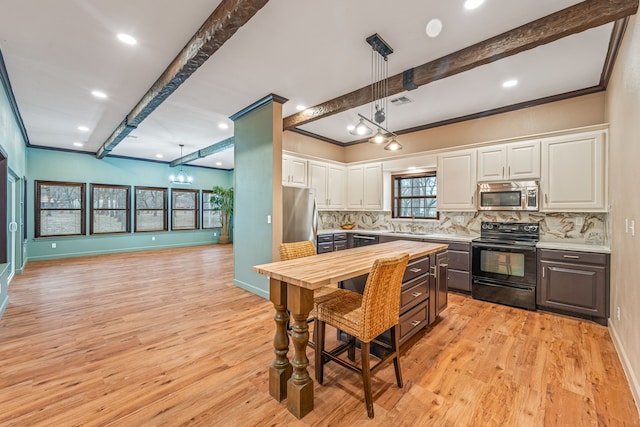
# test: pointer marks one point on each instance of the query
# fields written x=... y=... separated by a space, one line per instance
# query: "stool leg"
x=395 y=332
x=366 y=377
x=351 y=351
x=318 y=336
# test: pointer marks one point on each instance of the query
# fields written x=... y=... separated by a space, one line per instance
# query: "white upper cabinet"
x=329 y=181
x=519 y=160
x=364 y=187
x=574 y=173
x=457 y=181
x=294 y=171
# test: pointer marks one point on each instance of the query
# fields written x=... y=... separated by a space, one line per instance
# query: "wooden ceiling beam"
x=223 y=23
x=574 y=19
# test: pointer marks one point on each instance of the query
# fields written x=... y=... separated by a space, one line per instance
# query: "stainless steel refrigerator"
x=299 y=214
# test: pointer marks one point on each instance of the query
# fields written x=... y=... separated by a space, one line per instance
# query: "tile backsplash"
x=576 y=227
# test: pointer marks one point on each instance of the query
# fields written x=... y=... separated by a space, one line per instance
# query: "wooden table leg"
x=280 y=370
x=300 y=386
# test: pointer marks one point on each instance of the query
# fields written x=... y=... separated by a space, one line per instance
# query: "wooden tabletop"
x=324 y=269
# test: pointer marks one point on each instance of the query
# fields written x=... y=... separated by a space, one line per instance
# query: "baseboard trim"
x=115 y=251
x=626 y=366
x=4 y=305
x=251 y=288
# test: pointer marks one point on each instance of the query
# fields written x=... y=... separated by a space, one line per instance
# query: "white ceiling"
x=56 y=52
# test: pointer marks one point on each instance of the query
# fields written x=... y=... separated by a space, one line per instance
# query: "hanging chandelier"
x=379 y=114
x=181 y=178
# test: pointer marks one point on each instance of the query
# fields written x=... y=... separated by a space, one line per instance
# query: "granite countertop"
x=558 y=245
x=451 y=237
x=573 y=246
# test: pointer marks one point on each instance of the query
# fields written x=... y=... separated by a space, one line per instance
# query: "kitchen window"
x=110 y=209
x=210 y=218
x=184 y=209
x=151 y=209
x=414 y=196
x=59 y=209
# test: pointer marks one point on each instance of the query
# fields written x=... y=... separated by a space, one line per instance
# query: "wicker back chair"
x=297 y=250
x=305 y=248
x=364 y=317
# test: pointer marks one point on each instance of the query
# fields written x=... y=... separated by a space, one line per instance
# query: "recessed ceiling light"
x=472 y=4
x=300 y=107
x=98 y=94
x=223 y=126
x=351 y=127
x=434 y=28
x=78 y=144
x=218 y=163
x=83 y=128
x=509 y=83
x=127 y=39
x=159 y=156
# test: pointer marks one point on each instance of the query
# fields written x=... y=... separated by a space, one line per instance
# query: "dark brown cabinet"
x=459 y=271
x=575 y=283
x=331 y=242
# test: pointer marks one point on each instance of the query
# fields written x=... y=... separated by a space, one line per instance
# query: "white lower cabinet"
x=329 y=181
x=574 y=172
x=457 y=181
x=364 y=187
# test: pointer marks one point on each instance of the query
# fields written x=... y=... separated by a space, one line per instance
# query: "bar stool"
x=364 y=317
x=305 y=248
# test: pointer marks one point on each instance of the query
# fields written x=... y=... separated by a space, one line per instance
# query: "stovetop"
x=509 y=233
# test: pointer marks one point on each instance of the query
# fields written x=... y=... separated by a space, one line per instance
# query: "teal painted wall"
x=13 y=145
x=74 y=167
x=253 y=197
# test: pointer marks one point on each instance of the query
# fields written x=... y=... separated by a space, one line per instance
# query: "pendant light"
x=181 y=178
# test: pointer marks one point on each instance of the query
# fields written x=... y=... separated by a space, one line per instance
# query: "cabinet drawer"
x=339 y=236
x=414 y=292
x=413 y=321
x=339 y=245
x=324 y=238
x=573 y=256
x=323 y=248
x=459 y=280
x=415 y=268
x=458 y=260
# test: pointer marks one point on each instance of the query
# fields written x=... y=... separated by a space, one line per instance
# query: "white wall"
x=623 y=114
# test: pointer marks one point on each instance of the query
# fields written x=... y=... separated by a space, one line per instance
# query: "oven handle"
x=529 y=288
x=511 y=248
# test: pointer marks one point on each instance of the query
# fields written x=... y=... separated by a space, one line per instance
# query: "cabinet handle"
x=503 y=171
x=472 y=199
x=415 y=270
x=416 y=323
x=543 y=272
x=416 y=294
x=571 y=256
x=509 y=172
x=546 y=199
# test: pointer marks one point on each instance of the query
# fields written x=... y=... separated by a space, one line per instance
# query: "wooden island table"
x=291 y=286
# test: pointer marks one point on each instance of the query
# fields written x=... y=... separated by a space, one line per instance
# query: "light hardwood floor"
x=164 y=338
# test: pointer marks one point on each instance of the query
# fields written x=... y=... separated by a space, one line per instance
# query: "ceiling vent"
x=402 y=100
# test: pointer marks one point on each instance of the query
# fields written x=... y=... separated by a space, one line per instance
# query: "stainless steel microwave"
x=508 y=196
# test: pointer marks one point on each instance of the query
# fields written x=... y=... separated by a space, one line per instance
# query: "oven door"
x=508 y=264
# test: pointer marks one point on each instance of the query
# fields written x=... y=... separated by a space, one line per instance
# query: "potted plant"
x=222 y=201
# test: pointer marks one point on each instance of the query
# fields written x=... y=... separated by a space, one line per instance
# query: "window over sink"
x=414 y=196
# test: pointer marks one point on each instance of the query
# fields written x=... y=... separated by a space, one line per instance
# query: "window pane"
x=183 y=220
x=109 y=198
x=149 y=220
x=415 y=196
x=60 y=222
x=60 y=196
x=211 y=219
x=183 y=200
x=149 y=199
x=110 y=221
